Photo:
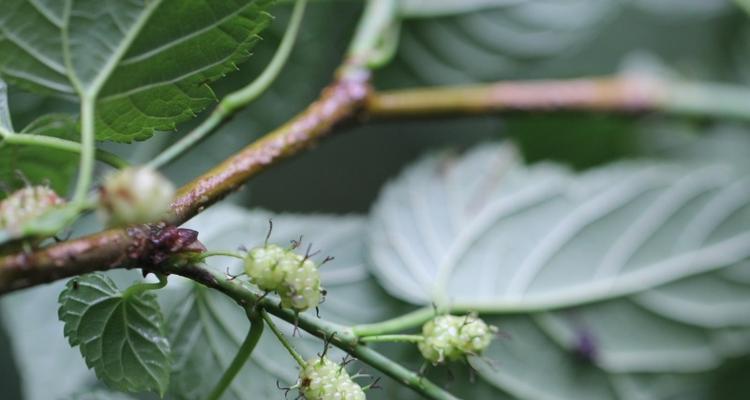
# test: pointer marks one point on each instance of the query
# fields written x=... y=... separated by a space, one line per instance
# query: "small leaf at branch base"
x=121 y=338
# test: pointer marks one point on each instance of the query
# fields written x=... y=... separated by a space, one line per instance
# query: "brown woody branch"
x=349 y=96
x=128 y=248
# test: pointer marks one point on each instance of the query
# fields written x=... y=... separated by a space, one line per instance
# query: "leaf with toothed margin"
x=640 y=267
x=147 y=63
x=121 y=337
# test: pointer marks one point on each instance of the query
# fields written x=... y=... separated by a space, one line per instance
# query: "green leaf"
x=41 y=165
x=5 y=121
x=121 y=337
x=99 y=395
x=435 y=8
x=647 y=259
x=548 y=39
x=39 y=349
x=147 y=63
x=206 y=328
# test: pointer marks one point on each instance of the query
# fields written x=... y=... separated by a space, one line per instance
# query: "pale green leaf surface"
x=98 y=395
x=207 y=328
x=121 y=338
x=648 y=258
x=434 y=8
x=548 y=39
x=147 y=62
x=5 y=121
x=39 y=348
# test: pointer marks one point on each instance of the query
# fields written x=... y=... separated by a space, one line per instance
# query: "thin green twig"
x=378 y=20
x=241 y=98
x=280 y=335
x=222 y=253
x=339 y=336
x=401 y=323
x=51 y=142
x=400 y=338
x=244 y=352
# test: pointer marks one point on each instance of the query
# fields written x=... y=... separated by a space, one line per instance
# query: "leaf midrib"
x=92 y=90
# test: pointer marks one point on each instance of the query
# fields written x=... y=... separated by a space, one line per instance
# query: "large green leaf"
x=433 y=8
x=206 y=328
x=648 y=259
x=551 y=38
x=146 y=62
x=121 y=337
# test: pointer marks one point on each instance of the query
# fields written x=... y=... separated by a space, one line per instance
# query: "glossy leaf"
x=121 y=337
x=147 y=63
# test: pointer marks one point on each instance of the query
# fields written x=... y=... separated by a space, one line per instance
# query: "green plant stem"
x=139 y=288
x=378 y=20
x=396 y=371
x=392 y=338
x=615 y=94
x=222 y=253
x=237 y=100
x=51 y=142
x=244 y=352
x=284 y=342
x=341 y=336
x=401 y=323
x=86 y=168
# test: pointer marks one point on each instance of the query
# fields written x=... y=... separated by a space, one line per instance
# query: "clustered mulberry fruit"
x=136 y=195
x=25 y=205
x=295 y=278
x=323 y=379
x=452 y=338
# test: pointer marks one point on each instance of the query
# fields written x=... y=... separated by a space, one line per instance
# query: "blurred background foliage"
x=691 y=39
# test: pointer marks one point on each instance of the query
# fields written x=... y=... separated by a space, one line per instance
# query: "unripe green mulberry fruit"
x=262 y=266
x=451 y=338
x=323 y=379
x=300 y=288
x=25 y=205
x=135 y=195
x=295 y=278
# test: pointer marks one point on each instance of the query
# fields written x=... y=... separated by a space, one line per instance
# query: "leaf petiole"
x=244 y=352
x=397 y=338
x=143 y=287
x=284 y=341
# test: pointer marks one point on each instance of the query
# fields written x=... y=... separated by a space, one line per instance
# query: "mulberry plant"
x=578 y=226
